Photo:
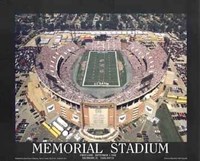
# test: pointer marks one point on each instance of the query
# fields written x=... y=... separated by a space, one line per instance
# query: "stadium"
x=103 y=84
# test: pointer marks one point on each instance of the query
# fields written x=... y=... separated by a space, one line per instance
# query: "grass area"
x=122 y=73
x=166 y=125
x=81 y=68
x=101 y=68
x=106 y=69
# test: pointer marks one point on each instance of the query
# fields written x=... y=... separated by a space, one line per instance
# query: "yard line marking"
x=86 y=69
x=117 y=69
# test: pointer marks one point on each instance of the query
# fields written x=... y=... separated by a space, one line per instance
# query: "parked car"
x=139 y=135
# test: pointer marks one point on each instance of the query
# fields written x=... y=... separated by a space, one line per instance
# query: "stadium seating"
x=135 y=52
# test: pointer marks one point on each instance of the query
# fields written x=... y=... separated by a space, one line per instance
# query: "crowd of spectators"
x=110 y=44
x=154 y=58
x=135 y=53
x=69 y=47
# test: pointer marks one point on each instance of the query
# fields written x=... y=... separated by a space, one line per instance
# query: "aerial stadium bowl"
x=108 y=79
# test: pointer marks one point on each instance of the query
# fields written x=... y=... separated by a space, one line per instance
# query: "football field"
x=101 y=70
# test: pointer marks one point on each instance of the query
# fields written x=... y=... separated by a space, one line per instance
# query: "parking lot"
x=26 y=117
x=140 y=130
x=27 y=121
x=38 y=133
x=179 y=116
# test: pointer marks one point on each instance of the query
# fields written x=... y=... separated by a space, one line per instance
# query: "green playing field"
x=101 y=70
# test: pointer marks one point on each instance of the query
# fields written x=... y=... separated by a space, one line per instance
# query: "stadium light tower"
x=37 y=42
x=166 y=41
x=73 y=34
